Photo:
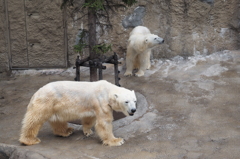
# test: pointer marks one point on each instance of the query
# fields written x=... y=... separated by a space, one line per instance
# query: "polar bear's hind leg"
x=61 y=128
x=30 y=129
x=88 y=123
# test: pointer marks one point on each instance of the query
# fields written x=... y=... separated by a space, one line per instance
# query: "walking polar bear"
x=92 y=102
x=140 y=43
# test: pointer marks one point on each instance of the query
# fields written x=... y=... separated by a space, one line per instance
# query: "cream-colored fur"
x=140 y=43
x=92 y=102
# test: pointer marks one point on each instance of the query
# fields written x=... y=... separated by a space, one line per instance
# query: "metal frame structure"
x=98 y=63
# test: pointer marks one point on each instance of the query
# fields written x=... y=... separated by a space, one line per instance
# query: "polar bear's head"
x=125 y=101
x=152 y=40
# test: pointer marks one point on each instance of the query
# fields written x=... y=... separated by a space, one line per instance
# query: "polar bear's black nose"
x=162 y=41
x=133 y=110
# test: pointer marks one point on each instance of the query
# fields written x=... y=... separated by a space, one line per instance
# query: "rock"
x=135 y=19
x=7 y=151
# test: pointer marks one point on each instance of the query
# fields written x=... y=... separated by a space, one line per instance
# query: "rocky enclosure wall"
x=189 y=27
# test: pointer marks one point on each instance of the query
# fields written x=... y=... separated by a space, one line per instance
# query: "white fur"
x=140 y=43
x=92 y=102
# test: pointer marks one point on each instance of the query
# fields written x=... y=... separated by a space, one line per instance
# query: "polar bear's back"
x=68 y=100
x=73 y=88
x=140 y=30
x=70 y=92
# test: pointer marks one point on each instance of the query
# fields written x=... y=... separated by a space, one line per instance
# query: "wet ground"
x=187 y=109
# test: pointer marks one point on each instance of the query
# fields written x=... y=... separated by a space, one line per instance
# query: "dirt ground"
x=187 y=109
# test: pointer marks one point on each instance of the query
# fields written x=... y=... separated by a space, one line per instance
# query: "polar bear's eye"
x=135 y=101
x=155 y=38
x=126 y=102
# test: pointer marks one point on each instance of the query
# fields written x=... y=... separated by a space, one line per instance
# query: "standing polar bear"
x=92 y=102
x=140 y=43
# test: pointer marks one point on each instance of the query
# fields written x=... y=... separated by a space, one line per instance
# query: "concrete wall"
x=33 y=34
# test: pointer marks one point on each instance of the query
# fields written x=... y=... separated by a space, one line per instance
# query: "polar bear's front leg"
x=129 y=65
x=148 y=65
x=104 y=130
x=144 y=61
x=114 y=142
x=139 y=73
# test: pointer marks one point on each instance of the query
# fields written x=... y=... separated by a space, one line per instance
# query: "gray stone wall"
x=4 y=64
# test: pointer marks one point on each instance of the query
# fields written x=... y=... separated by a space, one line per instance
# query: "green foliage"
x=102 y=48
x=129 y=2
x=97 y=5
x=79 y=47
x=94 y=4
x=82 y=42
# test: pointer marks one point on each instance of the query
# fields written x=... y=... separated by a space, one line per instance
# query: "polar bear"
x=92 y=102
x=140 y=43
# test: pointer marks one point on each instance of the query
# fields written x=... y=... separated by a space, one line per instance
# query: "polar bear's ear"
x=133 y=91
x=146 y=40
x=115 y=95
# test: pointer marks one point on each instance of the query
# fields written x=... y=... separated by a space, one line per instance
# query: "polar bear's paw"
x=69 y=131
x=128 y=73
x=139 y=73
x=88 y=132
x=148 y=67
x=29 y=141
x=65 y=133
x=114 y=142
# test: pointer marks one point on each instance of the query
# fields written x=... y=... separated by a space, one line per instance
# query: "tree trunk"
x=92 y=41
